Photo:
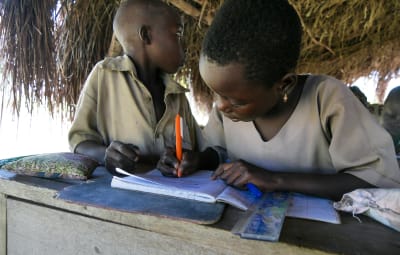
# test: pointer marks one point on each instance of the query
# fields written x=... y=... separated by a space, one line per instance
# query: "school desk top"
x=33 y=219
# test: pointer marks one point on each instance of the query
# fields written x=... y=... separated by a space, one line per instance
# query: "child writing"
x=284 y=131
x=125 y=113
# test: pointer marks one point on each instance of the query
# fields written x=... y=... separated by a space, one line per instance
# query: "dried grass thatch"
x=83 y=37
x=349 y=39
x=26 y=36
x=49 y=54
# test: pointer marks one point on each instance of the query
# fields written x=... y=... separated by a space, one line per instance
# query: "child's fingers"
x=166 y=169
x=129 y=151
x=185 y=164
x=135 y=150
x=231 y=175
x=221 y=170
x=115 y=154
x=217 y=173
x=240 y=181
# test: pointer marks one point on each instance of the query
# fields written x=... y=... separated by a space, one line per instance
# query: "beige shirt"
x=115 y=106
x=330 y=131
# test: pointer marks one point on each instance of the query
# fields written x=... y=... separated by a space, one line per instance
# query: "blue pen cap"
x=250 y=186
x=254 y=190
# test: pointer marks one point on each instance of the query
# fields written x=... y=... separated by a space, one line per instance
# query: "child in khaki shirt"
x=126 y=111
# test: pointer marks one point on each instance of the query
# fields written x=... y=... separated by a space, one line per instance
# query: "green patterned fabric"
x=63 y=165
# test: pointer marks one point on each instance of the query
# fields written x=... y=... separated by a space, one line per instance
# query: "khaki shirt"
x=329 y=132
x=115 y=106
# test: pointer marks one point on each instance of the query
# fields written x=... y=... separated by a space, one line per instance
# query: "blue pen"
x=254 y=190
x=251 y=187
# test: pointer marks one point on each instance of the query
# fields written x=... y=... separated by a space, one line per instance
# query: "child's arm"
x=93 y=150
x=117 y=154
x=331 y=186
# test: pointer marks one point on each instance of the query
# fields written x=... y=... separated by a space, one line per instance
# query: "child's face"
x=166 y=49
x=238 y=98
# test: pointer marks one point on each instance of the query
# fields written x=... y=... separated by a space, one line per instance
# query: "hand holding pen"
x=175 y=162
x=169 y=165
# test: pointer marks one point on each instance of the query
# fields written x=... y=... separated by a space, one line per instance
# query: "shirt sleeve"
x=358 y=144
x=84 y=125
x=215 y=135
x=199 y=143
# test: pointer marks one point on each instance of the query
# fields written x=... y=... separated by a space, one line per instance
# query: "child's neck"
x=152 y=80
x=269 y=125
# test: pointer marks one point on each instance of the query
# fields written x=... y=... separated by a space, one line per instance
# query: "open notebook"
x=197 y=186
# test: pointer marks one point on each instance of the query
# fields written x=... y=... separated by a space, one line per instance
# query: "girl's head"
x=262 y=35
x=248 y=53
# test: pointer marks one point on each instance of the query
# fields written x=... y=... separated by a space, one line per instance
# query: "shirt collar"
x=119 y=63
x=124 y=63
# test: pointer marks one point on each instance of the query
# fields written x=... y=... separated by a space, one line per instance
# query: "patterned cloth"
x=64 y=165
x=382 y=205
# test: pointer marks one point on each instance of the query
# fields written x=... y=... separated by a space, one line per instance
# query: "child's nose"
x=223 y=105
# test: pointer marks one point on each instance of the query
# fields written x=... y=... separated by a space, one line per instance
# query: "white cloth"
x=382 y=205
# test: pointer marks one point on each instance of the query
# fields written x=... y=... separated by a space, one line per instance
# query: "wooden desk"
x=33 y=221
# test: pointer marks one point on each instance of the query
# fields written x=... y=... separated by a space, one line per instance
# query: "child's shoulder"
x=325 y=84
x=324 y=81
x=326 y=89
x=118 y=63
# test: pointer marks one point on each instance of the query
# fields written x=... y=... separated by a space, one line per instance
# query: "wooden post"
x=192 y=11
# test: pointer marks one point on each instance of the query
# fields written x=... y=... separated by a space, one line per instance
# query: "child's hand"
x=239 y=173
x=190 y=163
x=124 y=156
x=169 y=165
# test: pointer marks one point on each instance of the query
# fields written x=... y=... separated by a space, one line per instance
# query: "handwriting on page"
x=194 y=181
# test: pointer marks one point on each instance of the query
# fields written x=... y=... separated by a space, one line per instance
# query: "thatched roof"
x=50 y=46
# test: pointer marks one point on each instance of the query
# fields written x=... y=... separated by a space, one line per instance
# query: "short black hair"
x=360 y=95
x=393 y=95
x=263 y=35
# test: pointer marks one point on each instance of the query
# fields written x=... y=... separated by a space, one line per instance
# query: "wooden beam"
x=191 y=10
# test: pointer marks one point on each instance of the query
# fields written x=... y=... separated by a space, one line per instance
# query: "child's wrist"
x=273 y=181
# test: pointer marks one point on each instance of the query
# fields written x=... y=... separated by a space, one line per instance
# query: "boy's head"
x=391 y=115
x=150 y=32
x=262 y=35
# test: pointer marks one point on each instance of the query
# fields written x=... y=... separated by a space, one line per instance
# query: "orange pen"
x=178 y=139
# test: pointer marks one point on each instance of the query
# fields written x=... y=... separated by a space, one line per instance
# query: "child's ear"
x=145 y=34
x=289 y=79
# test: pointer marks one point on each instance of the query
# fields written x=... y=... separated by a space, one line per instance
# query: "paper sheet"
x=312 y=208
